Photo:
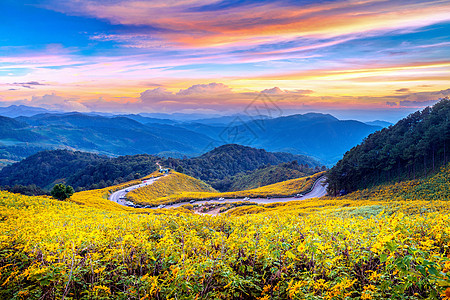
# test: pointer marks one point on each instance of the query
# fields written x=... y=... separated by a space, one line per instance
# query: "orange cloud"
x=259 y=23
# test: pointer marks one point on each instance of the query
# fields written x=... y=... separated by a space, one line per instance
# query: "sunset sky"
x=367 y=59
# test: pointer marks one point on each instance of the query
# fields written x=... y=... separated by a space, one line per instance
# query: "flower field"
x=366 y=245
x=178 y=187
x=173 y=185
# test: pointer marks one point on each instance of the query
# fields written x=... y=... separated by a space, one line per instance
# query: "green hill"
x=433 y=188
x=82 y=170
x=90 y=171
x=229 y=160
x=414 y=147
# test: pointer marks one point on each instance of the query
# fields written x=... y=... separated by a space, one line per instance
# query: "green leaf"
x=432 y=270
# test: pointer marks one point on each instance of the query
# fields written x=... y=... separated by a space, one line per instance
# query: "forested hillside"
x=231 y=159
x=47 y=167
x=414 y=147
x=13 y=130
x=82 y=170
x=114 y=171
x=90 y=171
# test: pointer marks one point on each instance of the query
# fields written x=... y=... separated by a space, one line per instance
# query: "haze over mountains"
x=26 y=130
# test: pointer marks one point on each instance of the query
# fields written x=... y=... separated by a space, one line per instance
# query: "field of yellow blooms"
x=177 y=187
x=352 y=247
x=173 y=185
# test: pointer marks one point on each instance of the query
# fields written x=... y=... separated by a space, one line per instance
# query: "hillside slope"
x=416 y=146
x=82 y=170
x=231 y=159
x=313 y=249
x=264 y=175
x=434 y=188
x=173 y=184
x=16 y=131
x=162 y=194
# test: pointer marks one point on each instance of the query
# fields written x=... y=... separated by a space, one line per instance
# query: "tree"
x=179 y=169
x=62 y=192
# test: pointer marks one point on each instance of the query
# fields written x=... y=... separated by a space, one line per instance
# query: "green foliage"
x=47 y=167
x=29 y=190
x=81 y=170
x=113 y=171
x=414 y=147
x=61 y=191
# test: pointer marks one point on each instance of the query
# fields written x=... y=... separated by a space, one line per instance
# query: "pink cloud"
x=55 y=102
x=205 y=89
x=178 y=22
x=274 y=91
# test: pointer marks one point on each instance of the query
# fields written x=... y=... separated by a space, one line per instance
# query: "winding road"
x=120 y=195
x=319 y=190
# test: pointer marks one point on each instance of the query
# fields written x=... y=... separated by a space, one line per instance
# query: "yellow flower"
x=446 y=267
x=99 y=270
x=446 y=294
x=101 y=288
x=374 y=276
x=368 y=292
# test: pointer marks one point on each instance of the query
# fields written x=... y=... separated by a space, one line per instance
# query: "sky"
x=360 y=59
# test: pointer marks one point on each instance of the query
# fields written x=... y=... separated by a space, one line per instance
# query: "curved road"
x=319 y=190
x=119 y=196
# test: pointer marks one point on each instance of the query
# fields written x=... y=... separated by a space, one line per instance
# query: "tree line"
x=38 y=173
x=417 y=146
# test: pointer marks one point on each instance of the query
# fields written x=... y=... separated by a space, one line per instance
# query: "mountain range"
x=321 y=136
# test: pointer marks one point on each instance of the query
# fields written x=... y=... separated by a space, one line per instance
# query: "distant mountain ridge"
x=14 y=111
x=105 y=135
x=318 y=135
x=379 y=123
